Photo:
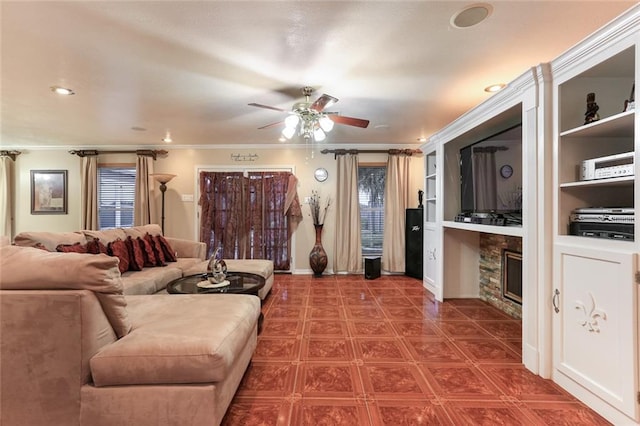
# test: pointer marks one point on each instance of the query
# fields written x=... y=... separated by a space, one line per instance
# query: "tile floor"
x=342 y=350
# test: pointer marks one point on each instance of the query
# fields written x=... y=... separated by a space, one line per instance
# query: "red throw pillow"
x=72 y=248
x=147 y=251
x=169 y=254
x=136 y=258
x=157 y=250
x=96 y=247
x=118 y=248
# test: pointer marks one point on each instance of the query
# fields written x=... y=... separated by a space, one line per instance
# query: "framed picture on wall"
x=48 y=192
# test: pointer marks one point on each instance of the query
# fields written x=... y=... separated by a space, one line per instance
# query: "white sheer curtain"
x=396 y=201
x=143 y=214
x=89 y=188
x=484 y=179
x=6 y=199
x=348 y=246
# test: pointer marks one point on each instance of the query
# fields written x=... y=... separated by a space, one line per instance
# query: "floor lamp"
x=163 y=178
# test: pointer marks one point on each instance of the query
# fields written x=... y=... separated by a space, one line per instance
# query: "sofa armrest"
x=188 y=248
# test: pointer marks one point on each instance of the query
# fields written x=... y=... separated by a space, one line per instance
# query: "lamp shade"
x=162 y=177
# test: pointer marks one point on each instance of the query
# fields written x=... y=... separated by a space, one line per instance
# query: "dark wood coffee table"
x=240 y=283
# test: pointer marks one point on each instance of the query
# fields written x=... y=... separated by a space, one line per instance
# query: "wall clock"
x=506 y=171
x=321 y=174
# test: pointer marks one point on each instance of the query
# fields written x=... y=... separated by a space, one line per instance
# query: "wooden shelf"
x=513 y=231
x=619 y=181
x=619 y=125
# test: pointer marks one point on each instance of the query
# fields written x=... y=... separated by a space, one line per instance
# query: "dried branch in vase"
x=318 y=211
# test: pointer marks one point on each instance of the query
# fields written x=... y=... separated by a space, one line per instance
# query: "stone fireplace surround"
x=491 y=247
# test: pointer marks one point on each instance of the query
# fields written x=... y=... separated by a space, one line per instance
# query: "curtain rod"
x=144 y=152
x=337 y=152
x=10 y=154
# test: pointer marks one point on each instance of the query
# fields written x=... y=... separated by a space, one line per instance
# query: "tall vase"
x=318 y=257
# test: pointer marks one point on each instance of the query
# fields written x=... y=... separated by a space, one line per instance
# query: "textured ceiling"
x=191 y=68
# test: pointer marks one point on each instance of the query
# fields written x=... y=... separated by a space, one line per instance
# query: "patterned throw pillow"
x=169 y=254
x=95 y=246
x=118 y=248
x=157 y=250
x=72 y=248
x=147 y=251
x=136 y=257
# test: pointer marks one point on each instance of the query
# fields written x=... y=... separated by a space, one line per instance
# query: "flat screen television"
x=491 y=173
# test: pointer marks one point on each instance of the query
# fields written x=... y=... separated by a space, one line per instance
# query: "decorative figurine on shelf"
x=592 y=109
x=630 y=104
x=216 y=268
x=420 y=194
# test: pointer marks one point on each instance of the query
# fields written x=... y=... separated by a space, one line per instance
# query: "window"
x=116 y=194
x=371 y=180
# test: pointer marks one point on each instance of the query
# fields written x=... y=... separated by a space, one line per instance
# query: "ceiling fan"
x=309 y=119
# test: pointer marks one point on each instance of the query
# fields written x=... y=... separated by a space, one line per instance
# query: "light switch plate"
x=187 y=197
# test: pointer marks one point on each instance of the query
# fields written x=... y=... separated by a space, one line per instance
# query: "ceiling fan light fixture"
x=326 y=123
x=288 y=132
x=319 y=135
x=292 y=121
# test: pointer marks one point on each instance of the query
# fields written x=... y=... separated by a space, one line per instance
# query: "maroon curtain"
x=268 y=223
x=252 y=217
x=222 y=214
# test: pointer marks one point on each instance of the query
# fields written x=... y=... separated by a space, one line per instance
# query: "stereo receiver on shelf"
x=611 y=166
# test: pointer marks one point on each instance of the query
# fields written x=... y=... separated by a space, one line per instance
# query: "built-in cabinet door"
x=431 y=263
x=596 y=323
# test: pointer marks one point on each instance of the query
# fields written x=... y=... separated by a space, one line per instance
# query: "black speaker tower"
x=413 y=243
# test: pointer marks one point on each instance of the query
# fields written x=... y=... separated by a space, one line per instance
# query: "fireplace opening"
x=512 y=275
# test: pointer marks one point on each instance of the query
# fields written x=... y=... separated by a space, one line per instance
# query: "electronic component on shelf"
x=611 y=166
x=602 y=218
x=495 y=219
x=612 y=231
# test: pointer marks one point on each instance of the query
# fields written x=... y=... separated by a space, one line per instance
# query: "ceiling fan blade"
x=270 y=125
x=267 y=107
x=349 y=121
x=323 y=102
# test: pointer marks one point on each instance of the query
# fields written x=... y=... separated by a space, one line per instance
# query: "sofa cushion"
x=72 y=248
x=157 y=250
x=142 y=230
x=136 y=256
x=106 y=235
x=169 y=253
x=167 y=346
x=50 y=240
x=118 y=248
x=26 y=268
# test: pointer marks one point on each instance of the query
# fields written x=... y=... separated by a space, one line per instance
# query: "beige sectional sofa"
x=190 y=257
x=82 y=343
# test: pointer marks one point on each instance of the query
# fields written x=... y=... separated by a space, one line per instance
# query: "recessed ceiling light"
x=422 y=139
x=62 y=90
x=471 y=15
x=495 y=88
x=139 y=129
x=167 y=139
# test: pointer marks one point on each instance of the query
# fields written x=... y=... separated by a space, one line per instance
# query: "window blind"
x=116 y=195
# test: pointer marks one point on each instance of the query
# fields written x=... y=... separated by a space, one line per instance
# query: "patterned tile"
x=380 y=350
x=460 y=381
x=338 y=412
x=274 y=348
x=328 y=380
x=327 y=349
x=434 y=349
x=342 y=350
x=408 y=413
x=394 y=381
x=487 y=350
